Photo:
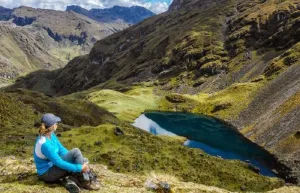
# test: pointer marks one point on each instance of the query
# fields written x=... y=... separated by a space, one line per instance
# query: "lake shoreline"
x=278 y=167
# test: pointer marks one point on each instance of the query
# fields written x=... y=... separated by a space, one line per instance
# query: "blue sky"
x=157 y=6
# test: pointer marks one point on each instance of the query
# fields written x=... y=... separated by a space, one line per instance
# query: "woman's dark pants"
x=55 y=173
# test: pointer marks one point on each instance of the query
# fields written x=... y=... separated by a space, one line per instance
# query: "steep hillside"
x=130 y=15
x=144 y=51
x=92 y=129
x=65 y=27
x=33 y=39
x=21 y=53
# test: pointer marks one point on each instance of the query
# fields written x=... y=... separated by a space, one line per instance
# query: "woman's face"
x=54 y=127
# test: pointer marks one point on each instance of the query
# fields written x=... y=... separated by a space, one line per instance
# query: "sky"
x=156 y=6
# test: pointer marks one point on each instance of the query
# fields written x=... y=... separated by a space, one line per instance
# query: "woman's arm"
x=62 y=150
x=49 y=152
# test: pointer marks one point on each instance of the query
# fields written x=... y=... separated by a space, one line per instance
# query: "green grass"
x=136 y=152
x=126 y=106
x=21 y=112
x=282 y=62
x=234 y=99
x=140 y=152
x=66 y=54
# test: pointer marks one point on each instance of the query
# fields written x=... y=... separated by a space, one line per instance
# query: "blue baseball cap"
x=49 y=119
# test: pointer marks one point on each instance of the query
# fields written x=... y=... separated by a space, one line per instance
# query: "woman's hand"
x=85 y=168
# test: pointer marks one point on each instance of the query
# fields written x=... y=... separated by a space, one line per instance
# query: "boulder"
x=254 y=168
x=118 y=131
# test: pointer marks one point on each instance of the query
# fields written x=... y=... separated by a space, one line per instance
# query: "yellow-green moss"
x=139 y=152
x=290 y=104
x=126 y=106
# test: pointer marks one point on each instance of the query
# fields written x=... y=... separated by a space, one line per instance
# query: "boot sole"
x=73 y=188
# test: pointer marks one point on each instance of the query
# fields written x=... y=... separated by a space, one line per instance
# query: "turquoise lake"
x=211 y=135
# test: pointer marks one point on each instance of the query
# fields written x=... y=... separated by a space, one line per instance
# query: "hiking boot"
x=87 y=180
x=94 y=181
x=90 y=185
x=69 y=184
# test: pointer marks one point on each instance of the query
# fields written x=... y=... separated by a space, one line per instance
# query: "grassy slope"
x=111 y=182
x=136 y=152
x=21 y=53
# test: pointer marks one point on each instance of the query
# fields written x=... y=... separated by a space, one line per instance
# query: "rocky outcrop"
x=20 y=53
x=273 y=118
x=46 y=39
x=68 y=26
x=131 y=15
x=175 y=5
x=275 y=28
x=179 y=4
x=22 y=21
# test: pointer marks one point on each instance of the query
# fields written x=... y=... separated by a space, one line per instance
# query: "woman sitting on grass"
x=54 y=163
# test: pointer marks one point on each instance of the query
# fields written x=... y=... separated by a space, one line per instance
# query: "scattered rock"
x=254 y=168
x=175 y=98
x=112 y=163
x=247 y=56
x=98 y=143
x=289 y=184
x=221 y=107
x=243 y=188
x=118 y=131
x=297 y=134
x=198 y=82
x=151 y=185
x=36 y=124
x=58 y=135
x=70 y=135
x=164 y=187
x=21 y=176
x=274 y=171
x=258 y=79
x=66 y=127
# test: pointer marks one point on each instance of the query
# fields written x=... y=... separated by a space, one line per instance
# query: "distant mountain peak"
x=5 y=13
x=131 y=15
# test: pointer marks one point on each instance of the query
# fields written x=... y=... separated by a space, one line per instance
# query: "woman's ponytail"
x=42 y=129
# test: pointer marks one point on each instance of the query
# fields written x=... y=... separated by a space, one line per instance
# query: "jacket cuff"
x=79 y=167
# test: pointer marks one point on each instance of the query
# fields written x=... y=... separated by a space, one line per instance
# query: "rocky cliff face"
x=131 y=15
x=22 y=53
x=65 y=27
x=201 y=4
x=47 y=39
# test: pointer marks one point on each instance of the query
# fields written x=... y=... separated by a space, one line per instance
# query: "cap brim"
x=57 y=119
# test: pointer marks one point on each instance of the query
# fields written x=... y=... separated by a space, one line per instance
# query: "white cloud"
x=155 y=6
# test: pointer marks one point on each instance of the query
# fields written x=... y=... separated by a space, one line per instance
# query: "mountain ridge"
x=48 y=32
x=131 y=15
